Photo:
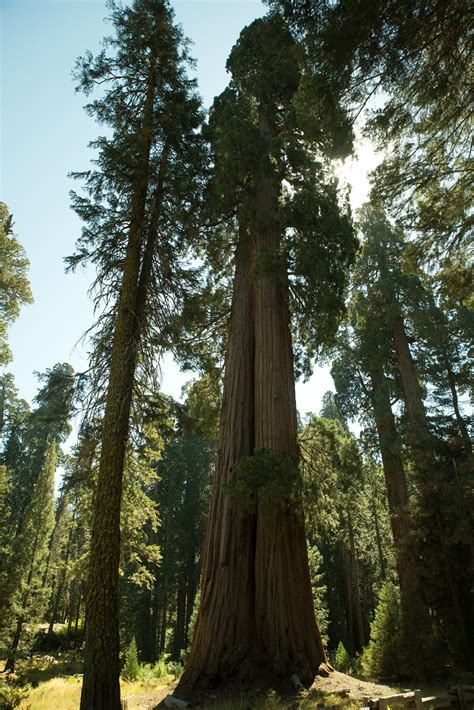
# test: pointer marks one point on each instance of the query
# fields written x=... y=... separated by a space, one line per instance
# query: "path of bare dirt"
x=348 y=686
x=335 y=684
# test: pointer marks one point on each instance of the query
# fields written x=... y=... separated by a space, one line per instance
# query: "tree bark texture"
x=421 y=443
x=101 y=686
x=394 y=470
x=419 y=432
x=256 y=616
x=466 y=439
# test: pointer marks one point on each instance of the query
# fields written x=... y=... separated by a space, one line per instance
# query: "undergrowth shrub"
x=382 y=656
x=403 y=640
x=13 y=692
x=131 y=666
x=342 y=660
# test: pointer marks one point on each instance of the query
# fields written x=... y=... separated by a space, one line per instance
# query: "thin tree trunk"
x=459 y=418
x=378 y=539
x=191 y=586
x=178 y=642
x=394 y=470
x=62 y=583
x=101 y=686
x=78 y=613
x=11 y=658
x=154 y=625
x=419 y=433
x=69 y=615
x=349 y=607
x=163 y=624
x=355 y=582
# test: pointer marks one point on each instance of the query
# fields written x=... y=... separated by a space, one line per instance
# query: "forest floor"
x=55 y=682
x=336 y=689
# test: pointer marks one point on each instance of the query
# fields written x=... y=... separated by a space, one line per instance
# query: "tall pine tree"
x=138 y=211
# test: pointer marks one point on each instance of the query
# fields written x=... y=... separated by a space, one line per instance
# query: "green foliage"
x=131 y=666
x=202 y=406
x=383 y=656
x=153 y=160
x=12 y=693
x=175 y=669
x=30 y=454
x=342 y=661
x=319 y=590
x=403 y=52
x=264 y=62
x=134 y=670
x=14 y=286
x=264 y=475
x=268 y=69
x=346 y=515
x=59 y=639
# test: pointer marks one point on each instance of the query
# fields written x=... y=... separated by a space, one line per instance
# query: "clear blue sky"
x=44 y=135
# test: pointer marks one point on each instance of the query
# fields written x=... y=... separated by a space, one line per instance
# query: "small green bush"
x=175 y=669
x=382 y=655
x=342 y=661
x=12 y=693
x=131 y=667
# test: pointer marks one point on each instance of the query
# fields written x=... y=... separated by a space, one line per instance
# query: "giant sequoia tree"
x=291 y=247
x=138 y=213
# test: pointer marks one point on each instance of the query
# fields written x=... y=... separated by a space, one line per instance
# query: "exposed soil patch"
x=348 y=686
x=336 y=684
x=149 y=700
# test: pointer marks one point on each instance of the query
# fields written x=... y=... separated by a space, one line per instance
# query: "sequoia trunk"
x=394 y=470
x=256 y=615
x=285 y=620
x=225 y=629
x=419 y=433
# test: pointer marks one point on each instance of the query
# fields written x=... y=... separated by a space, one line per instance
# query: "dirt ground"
x=147 y=701
x=336 y=684
x=347 y=686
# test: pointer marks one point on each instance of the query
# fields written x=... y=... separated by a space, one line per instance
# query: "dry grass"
x=61 y=693
x=65 y=693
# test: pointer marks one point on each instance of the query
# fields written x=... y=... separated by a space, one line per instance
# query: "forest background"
x=388 y=515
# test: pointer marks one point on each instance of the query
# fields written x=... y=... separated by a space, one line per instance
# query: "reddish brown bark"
x=285 y=618
x=225 y=630
x=412 y=394
x=256 y=615
x=394 y=470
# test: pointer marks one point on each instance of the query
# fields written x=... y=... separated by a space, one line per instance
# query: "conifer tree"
x=402 y=52
x=388 y=356
x=30 y=553
x=138 y=212
x=30 y=457
x=255 y=560
x=14 y=286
